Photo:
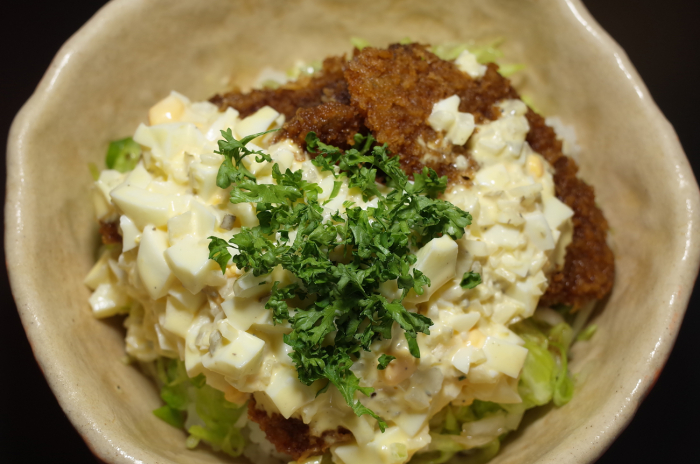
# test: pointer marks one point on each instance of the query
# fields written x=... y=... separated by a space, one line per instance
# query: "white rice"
x=567 y=135
x=259 y=450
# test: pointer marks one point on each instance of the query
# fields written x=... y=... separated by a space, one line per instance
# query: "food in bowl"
x=383 y=260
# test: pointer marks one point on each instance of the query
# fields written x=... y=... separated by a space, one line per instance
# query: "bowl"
x=132 y=53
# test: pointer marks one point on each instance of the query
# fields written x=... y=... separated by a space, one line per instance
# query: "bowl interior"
x=133 y=53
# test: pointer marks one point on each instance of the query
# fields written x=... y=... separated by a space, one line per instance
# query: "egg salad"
x=400 y=312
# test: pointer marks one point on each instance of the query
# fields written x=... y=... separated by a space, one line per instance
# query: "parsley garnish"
x=384 y=361
x=470 y=280
x=337 y=297
x=232 y=169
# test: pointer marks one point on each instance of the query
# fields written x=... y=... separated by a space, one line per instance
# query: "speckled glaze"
x=133 y=52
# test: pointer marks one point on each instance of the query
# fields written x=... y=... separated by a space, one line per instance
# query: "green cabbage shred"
x=487 y=53
x=187 y=400
x=544 y=379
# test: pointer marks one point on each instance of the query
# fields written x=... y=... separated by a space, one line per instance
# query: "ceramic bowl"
x=134 y=52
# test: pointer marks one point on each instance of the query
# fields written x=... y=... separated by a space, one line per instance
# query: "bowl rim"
x=600 y=435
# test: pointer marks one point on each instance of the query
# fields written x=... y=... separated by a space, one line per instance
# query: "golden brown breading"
x=396 y=89
x=589 y=267
x=336 y=123
x=110 y=232
x=292 y=436
x=325 y=86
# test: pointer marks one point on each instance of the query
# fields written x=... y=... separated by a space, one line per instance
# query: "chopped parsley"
x=384 y=361
x=470 y=280
x=334 y=307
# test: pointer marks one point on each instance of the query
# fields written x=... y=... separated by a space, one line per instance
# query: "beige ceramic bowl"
x=133 y=52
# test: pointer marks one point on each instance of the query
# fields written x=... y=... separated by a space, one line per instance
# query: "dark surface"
x=661 y=39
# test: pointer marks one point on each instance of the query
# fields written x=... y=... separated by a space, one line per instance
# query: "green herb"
x=232 y=169
x=123 y=155
x=384 y=361
x=334 y=298
x=470 y=280
x=218 y=251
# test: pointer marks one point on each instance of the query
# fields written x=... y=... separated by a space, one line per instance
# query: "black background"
x=660 y=37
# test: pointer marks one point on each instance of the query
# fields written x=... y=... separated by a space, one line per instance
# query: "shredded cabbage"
x=488 y=53
x=560 y=338
x=188 y=401
x=444 y=447
x=587 y=333
x=544 y=378
x=535 y=386
x=359 y=43
x=452 y=432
